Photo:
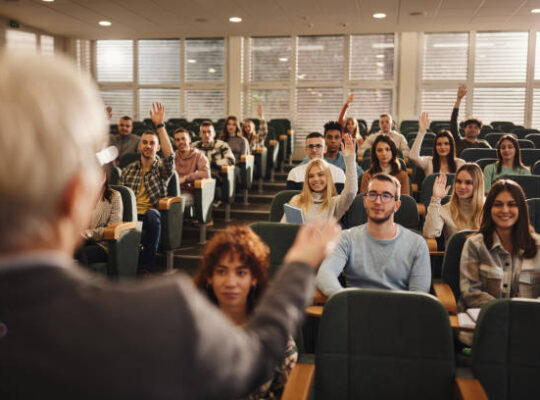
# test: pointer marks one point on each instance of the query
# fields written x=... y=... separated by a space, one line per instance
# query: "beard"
x=382 y=219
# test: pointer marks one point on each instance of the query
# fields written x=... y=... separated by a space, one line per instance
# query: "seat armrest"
x=290 y=132
x=421 y=209
x=113 y=232
x=315 y=311
x=282 y=137
x=226 y=168
x=469 y=389
x=415 y=187
x=165 y=203
x=444 y=294
x=200 y=183
x=259 y=150
x=245 y=158
x=432 y=245
x=272 y=142
x=319 y=297
x=299 y=383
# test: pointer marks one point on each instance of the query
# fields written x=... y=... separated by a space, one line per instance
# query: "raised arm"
x=263 y=128
x=462 y=91
x=345 y=108
x=348 y=193
x=434 y=224
x=157 y=115
x=423 y=124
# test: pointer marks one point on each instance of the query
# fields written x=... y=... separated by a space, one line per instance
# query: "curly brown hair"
x=251 y=250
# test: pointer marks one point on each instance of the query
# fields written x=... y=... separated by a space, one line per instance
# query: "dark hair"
x=126 y=118
x=150 y=133
x=521 y=231
x=375 y=165
x=206 y=123
x=107 y=191
x=251 y=250
x=517 y=157
x=314 y=135
x=332 y=126
x=451 y=156
x=472 y=121
x=224 y=135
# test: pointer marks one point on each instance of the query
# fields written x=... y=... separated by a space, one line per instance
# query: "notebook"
x=294 y=214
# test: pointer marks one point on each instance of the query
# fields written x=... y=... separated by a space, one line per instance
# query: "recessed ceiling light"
x=535 y=11
x=283 y=59
x=211 y=70
x=192 y=61
x=379 y=15
x=105 y=23
x=48 y=1
x=235 y=19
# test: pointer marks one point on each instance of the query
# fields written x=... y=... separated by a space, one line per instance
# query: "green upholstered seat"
x=276 y=208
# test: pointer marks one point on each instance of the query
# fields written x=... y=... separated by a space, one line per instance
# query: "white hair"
x=52 y=122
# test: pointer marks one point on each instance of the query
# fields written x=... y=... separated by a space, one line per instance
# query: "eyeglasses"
x=314 y=146
x=385 y=197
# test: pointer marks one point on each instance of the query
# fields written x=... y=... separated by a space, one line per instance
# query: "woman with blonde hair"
x=255 y=139
x=319 y=198
x=463 y=211
x=350 y=125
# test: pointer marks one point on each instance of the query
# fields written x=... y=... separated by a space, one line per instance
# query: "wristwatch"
x=160 y=125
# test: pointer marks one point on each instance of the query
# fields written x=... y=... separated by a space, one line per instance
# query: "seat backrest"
x=526 y=144
x=485 y=161
x=535 y=138
x=173 y=187
x=452 y=260
x=427 y=187
x=278 y=237
x=381 y=344
x=114 y=175
x=127 y=159
x=472 y=155
x=534 y=213
x=506 y=349
x=529 y=183
x=276 y=208
x=530 y=156
x=128 y=201
x=493 y=138
x=535 y=170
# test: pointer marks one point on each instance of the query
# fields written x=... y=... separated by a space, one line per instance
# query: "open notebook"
x=468 y=318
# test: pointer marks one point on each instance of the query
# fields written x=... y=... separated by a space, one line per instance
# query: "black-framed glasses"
x=314 y=146
x=385 y=197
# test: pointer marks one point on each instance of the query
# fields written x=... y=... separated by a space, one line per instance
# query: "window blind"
x=205 y=60
x=114 y=60
x=270 y=59
x=372 y=57
x=159 y=61
x=320 y=58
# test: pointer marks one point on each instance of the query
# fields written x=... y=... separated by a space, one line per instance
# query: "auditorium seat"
x=530 y=156
x=276 y=208
x=472 y=155
x=534 y=213
x=529 y=183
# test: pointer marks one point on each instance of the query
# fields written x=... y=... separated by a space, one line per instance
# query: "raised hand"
x=349 y=146
x=260 y=110
x=314 y=242
x=108 y=112
x=350 y=99
x=157 y=113
x=423 y=122
x=439 y=187
x=462 y=91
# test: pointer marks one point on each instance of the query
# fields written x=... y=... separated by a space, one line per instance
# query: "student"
x=509 y=161
x=319 y=198
x=379 y=254
x=385 y=125
x=255 y=139
x=233 y=274
x=384 y=158
x=443 y=158
x=333 y=139
x=472 y=128
x=232 y=134
x=463 y=211
x=504 y=249
x=125 y=141
x=350 y=125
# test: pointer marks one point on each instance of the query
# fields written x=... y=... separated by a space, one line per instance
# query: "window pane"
x=159 y=61
x=169 y=97
x=114 y=60
x=121 y=102
x=320 y=58
x=536 y=109
x=499 y=104
x=537 y=58
x=83 y=54
x=439 y=103
x=368 y=104
x=275 y=103
x=315 y=107
x=208 y=104
x=47 y=45
x=445 y=56
x=501 y=57
x=24 y=42
x=205 y=60
x=270 y=59
x=372 y=57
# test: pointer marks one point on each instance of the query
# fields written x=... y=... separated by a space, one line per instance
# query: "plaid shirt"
x=155 y=181
x=258 y=139
x=219 y=154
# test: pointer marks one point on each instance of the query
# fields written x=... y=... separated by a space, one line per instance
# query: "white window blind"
x=205 y=60
x=47 y=45
x=499 y=104
x=445 y=56
x=320 y=58
x=440 y=102
x=501 y=57
x=368 y=104
x=159 y=61
x=270 y=59
x=121 y=102
x=83 y=54
x=275 y=102
x=114 y=60
x=208 y=104
x=372 y=57
x=169 y=97
x=315 y=107
x=19 y=41
x=536 y=109
x=537 y=58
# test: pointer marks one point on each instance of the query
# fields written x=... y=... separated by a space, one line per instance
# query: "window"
x=315 y=107
x=205 y=60
x=270 y=59
x=169 y=97
x=368 y=104
x=320 y=58
x=159 y=61
x=501 y=57
x=536 y=109
x=445 y=56
x=114 y=59
x=207 y=104
x=439 y=103
x=47 y=45
x=499 y=104
x=372 y=57
x=121 y=102
x=19 y=41
x=83 y=54
x=276 y=103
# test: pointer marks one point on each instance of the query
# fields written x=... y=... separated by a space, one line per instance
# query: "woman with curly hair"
x=233 y=274
x=384 y=158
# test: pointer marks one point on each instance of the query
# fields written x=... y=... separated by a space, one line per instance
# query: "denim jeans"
x=151 y=232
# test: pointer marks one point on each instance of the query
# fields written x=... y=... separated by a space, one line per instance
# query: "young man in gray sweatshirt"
x=379 y=254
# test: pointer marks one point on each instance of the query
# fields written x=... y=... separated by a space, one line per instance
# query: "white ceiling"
x=172 y=18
